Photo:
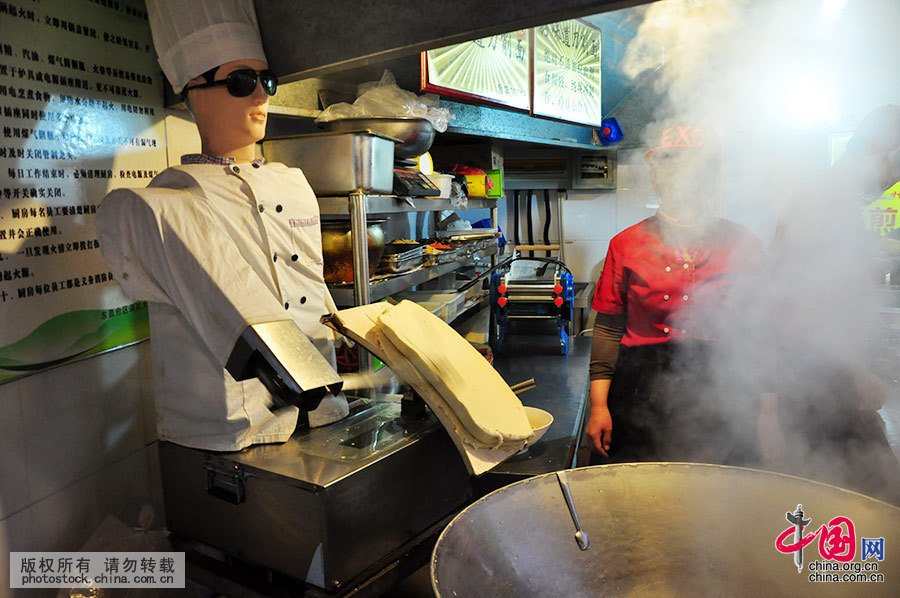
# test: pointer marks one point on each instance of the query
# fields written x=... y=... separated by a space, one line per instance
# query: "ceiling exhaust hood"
x=311 y=39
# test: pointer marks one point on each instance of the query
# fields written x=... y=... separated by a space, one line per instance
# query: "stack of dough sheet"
x=483 y=416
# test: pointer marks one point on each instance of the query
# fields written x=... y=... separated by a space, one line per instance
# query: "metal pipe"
x=531 y=299
x=561 y=196
x=515 y=218
x=528 y=217
x=472 y=282
x=359 y=241
x=360 y=244
x=551 y=247
x=517 y=317
x=520 y=286
x=495 y=224
x=547 y=219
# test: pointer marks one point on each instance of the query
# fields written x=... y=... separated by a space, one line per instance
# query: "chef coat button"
x=668 y=268
x=255 y=164
x=278 y=208
x=287 y=305
x=665 y=297
x=302 y=300
x=684 y=297
x=685 y=266
x=262 y=209
x=666 y=330
x=295 y=257
x=235 y=169
x=275 y=258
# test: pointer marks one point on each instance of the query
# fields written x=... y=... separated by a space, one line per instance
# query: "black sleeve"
x=608 y=331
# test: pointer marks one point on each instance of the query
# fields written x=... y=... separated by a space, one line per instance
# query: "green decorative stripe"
x=74 y=335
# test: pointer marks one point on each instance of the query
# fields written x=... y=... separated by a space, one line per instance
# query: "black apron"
x=829 y=439
x=667 y=404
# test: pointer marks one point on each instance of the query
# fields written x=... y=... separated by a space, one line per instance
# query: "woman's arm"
x=599 y=425
x=608 y=331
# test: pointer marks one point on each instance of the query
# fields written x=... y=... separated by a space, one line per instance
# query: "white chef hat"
x=194 y=36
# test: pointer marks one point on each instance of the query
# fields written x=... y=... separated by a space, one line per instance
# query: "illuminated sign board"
x=494 y=70
x=567 y=72
x=551 y=71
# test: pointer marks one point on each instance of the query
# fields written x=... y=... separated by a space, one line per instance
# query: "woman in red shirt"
x=657 y=391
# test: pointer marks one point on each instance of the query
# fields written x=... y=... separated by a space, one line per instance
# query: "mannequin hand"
x=599 y=430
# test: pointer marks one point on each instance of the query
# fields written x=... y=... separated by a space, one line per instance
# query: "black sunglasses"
x=241 y=83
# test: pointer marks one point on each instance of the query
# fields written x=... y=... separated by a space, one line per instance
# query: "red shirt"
x=666 y=294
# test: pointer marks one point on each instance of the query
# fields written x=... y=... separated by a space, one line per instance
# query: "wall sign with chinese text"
x=567 y=72
x=880 y=215
x=494 y=69
x=80 y=113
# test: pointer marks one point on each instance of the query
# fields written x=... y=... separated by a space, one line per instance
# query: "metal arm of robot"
x=286 y=362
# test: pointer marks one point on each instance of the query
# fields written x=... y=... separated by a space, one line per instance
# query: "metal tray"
x=338 y=163
x=449 y=255
x=397 y=252
x=390 y=264
x=473 y=234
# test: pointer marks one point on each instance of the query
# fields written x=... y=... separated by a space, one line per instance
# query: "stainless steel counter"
x=562 y=389
x=332 y=507
x=339 y=523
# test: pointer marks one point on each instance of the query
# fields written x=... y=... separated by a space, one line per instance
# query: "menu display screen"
x=552 y=71
x=567 y=72
x=493 y=69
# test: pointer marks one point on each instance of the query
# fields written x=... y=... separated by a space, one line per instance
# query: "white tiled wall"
x=13 y=468
x=78 y=442
x=592 y=218
x=76 y=447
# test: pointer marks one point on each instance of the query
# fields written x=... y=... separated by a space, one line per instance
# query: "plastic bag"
x=385 y=98
x=459 y=198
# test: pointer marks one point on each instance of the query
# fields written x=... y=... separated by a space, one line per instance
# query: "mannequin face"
x=230 y=126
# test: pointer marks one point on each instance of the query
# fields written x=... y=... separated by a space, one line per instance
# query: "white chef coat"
x=215 y=249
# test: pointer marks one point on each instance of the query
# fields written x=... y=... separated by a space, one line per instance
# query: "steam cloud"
x=772 y=80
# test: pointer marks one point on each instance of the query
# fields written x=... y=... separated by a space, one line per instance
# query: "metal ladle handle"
x=580 y=535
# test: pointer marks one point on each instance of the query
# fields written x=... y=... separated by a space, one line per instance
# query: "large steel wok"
x=656 y=529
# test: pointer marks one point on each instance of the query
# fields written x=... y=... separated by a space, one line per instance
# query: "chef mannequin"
x=222 y=242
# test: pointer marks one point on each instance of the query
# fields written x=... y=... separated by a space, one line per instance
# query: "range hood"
x=319 y=52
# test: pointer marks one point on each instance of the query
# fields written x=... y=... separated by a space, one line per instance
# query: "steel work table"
x=562 y=389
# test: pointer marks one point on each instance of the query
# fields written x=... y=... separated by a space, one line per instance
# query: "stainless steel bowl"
x=415 y=135
x=337 y=249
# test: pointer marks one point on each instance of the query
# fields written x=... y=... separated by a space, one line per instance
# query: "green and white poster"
x=80 y=113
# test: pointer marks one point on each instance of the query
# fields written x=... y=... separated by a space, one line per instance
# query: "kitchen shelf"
x=343 y=295
x=391 y=204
